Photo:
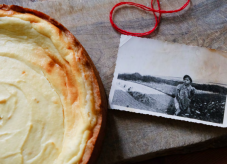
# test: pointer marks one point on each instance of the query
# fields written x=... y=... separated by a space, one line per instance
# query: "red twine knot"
x=157 y=18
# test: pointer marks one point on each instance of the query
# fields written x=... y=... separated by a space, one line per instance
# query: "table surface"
x=210 y=156
x=130 y=136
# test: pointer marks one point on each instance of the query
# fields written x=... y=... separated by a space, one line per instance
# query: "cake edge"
x=93 y=148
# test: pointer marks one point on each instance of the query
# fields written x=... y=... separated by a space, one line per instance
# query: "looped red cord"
x=157 y=18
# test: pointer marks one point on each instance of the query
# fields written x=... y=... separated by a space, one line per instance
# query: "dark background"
x=210 y=156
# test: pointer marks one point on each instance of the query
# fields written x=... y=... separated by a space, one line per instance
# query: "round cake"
x=52 y=101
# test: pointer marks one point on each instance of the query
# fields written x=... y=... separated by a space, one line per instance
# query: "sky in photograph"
x=159 y=58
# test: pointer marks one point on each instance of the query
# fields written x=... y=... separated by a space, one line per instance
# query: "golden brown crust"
x=94 y=143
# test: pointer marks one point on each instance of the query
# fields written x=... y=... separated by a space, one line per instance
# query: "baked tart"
x=52 y=101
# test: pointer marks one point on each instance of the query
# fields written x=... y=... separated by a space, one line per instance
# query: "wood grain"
x=134 y=137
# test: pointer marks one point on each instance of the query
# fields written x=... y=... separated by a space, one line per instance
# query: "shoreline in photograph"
x=206 y=105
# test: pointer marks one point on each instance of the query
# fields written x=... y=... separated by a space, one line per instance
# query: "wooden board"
x=134 y=137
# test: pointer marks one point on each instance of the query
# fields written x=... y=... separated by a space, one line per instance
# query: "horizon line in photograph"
x=175 y=78
x=136 y=77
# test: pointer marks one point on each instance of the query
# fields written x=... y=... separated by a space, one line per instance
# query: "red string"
x=157 y=18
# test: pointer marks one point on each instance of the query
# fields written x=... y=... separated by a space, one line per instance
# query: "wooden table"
x=134 y=137
x=210 y=156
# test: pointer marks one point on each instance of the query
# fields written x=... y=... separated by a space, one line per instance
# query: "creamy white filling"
x=38 y=124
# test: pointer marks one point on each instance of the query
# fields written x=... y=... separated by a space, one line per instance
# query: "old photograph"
x=170 y=80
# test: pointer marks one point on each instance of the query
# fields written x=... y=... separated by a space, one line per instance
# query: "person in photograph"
x=183 y=96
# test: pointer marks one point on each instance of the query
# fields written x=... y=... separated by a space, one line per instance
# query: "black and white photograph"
x=170 y=80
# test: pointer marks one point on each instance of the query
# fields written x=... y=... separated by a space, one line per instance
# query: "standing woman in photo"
x=183 y=96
